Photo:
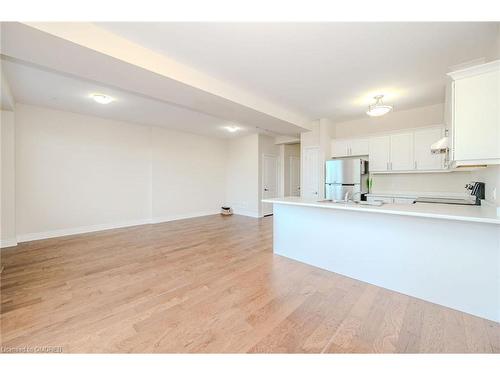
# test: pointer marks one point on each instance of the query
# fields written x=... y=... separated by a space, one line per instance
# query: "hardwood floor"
x=210 y=284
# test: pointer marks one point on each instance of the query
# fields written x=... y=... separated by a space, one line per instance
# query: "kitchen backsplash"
x=450 y=182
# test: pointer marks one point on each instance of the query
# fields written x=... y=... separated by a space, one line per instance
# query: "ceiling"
x=329 y=70
x=36 y=86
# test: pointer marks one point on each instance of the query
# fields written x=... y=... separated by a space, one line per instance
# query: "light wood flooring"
x=210 y=284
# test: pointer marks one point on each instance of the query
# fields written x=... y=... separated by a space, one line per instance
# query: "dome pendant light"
x=378 y=108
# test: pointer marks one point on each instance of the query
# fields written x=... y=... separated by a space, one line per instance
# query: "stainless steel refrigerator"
x=346 y=178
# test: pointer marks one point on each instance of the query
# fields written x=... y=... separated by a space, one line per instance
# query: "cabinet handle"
x=415 y=164
x=387 y=165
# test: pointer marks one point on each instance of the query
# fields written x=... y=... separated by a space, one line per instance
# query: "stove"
x=459 y=201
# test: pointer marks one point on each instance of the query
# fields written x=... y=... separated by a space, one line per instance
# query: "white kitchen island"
x=446 y=254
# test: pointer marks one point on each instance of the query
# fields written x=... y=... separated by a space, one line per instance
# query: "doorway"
x=269 y=181
x=311 y=173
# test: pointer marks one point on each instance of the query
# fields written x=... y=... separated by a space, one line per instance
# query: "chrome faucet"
x=346 y=196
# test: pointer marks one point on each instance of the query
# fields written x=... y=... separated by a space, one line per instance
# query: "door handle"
x=266 y=189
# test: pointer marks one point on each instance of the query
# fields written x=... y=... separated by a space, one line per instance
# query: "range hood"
x=441 y=147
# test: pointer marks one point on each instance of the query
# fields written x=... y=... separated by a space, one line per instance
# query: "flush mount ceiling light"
x=231 y=129
x=378 y=108
x=102 y=99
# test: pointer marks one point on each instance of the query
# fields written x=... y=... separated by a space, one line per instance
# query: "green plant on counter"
x=369 y=184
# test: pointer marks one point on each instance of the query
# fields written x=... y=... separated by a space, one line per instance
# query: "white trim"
x=250 y=213
x=278 y=182
x=163 y=219
x=290 y=182
x=475 y=70
x=101 y=227
x=388 y=132
x=79 y=230
x=8 y=243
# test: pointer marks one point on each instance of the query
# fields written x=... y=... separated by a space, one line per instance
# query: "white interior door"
x=311 y=173
x=269 y=181
x=294 y=187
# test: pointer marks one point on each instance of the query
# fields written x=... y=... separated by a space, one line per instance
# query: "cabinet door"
x=402 y=152
x=476 y=117
x=380 y=148
x=359 y=147
x=339 y=148
x=424 y=159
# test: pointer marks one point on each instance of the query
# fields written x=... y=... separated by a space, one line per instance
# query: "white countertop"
x=480 y=214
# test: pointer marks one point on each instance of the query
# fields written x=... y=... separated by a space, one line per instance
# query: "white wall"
x=188 y=174
x=451 y=182
x=491 y=177
x=7 y=175
x=242 y=175
x=76 y=171
x=412 y=118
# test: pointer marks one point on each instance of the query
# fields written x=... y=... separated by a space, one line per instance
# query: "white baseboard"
x=163 y=219
x=78 y=230
x=250 y=213
x=99 y=227
x=8 y=243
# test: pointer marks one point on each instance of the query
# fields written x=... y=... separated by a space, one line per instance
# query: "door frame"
x=290 y=158
x=303 y=153
x=278 y=183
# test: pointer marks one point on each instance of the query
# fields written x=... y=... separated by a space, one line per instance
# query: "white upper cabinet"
x=406 y=151
x=475 y=108
x=349 y=147
x=340 y=148
x=380 y=153
x=401 y=155
x=424 y=159
x=359 y=147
